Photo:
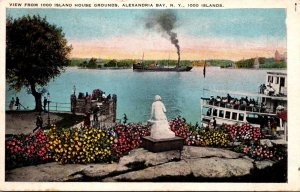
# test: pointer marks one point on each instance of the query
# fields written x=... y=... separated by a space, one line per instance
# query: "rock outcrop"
x=141 y=165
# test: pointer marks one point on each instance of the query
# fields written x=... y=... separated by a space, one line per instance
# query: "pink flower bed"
x=244 y=132
x=27 y=149
x=262 y=152
x=128 y=137
x=180 y=128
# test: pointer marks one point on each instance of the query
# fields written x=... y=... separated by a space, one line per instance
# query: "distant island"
x=258 y=62
x=94 y=63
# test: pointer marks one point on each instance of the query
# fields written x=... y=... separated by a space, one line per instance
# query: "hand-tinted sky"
x=202 y=34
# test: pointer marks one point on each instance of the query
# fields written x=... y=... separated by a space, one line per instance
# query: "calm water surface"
x=180 y=92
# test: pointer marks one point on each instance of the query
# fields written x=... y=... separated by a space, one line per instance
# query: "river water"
x=180 y=92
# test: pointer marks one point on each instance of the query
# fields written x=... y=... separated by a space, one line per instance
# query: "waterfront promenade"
x=23 y=122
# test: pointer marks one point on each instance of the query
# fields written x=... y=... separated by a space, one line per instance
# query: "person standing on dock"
x=17 y=103
x=45 y=103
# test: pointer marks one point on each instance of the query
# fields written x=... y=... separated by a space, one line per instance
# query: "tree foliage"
x=126 y=63
x=247 y=63
x=36 y=52
x=85 y=63
x=112 y=63
x=92 y=63
x=221 y=63
x=263 y=63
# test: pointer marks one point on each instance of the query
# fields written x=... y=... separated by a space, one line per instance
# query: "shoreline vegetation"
x=96 y=63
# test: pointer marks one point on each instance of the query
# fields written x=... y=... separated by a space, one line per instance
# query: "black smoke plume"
x=164 y=21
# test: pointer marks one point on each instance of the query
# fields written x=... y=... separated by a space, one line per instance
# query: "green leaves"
x=36 y=52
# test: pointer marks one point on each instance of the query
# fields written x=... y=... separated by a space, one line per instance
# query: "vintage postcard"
x=150 y=95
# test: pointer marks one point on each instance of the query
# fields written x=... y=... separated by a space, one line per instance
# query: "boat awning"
x=246 y=94
x=276 y=73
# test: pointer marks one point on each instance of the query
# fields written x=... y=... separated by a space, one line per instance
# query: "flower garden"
x=90 y=145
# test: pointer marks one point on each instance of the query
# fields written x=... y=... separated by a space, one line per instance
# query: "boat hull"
x=139 y=68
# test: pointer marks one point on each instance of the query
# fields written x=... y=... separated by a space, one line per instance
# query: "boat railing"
x=239 y=107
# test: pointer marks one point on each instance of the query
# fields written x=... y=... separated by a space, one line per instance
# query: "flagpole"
x=204 y=69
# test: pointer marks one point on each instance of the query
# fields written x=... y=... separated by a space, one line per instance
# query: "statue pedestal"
x=159 y=145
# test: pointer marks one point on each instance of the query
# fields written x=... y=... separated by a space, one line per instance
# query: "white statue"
x=160 y=128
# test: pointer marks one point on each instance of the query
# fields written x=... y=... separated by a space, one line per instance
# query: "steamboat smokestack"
x=164 y=21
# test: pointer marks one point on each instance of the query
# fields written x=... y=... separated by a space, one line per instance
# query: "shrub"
x=193 y=135
x=180 y=128
x=27 y=149
x=80 y=145
x=212 y=138
x=90 y=145
x=243 y=133
x=128 y=137
x=262 y=152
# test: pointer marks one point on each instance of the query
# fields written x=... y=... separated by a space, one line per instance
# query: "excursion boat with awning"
x=266 y=108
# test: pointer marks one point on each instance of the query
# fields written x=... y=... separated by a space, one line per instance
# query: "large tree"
x=36 y=52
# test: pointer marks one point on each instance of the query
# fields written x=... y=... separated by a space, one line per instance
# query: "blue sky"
x=236 y=22
x=217 y=24
x=87 y=23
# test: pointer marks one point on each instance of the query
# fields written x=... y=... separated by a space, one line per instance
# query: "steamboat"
x=267 y=111
x=141 y=67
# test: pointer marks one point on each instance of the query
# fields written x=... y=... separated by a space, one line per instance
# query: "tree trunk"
x=37 y=97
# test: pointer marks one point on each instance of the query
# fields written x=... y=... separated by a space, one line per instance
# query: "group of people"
x=88 y=98
x=267 y=90
x=17 y=103
x=93 y=113
x=13 y=103
x=229 y=101
x=104 y=97
x=39 y=120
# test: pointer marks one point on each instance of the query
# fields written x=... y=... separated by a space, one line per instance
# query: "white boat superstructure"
x=268 y=109
x=274 y=92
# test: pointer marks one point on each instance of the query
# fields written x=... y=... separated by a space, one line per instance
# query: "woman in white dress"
x=160 y=128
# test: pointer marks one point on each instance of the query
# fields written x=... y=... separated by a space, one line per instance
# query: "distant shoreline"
x=104 y=68
x=118 y=68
